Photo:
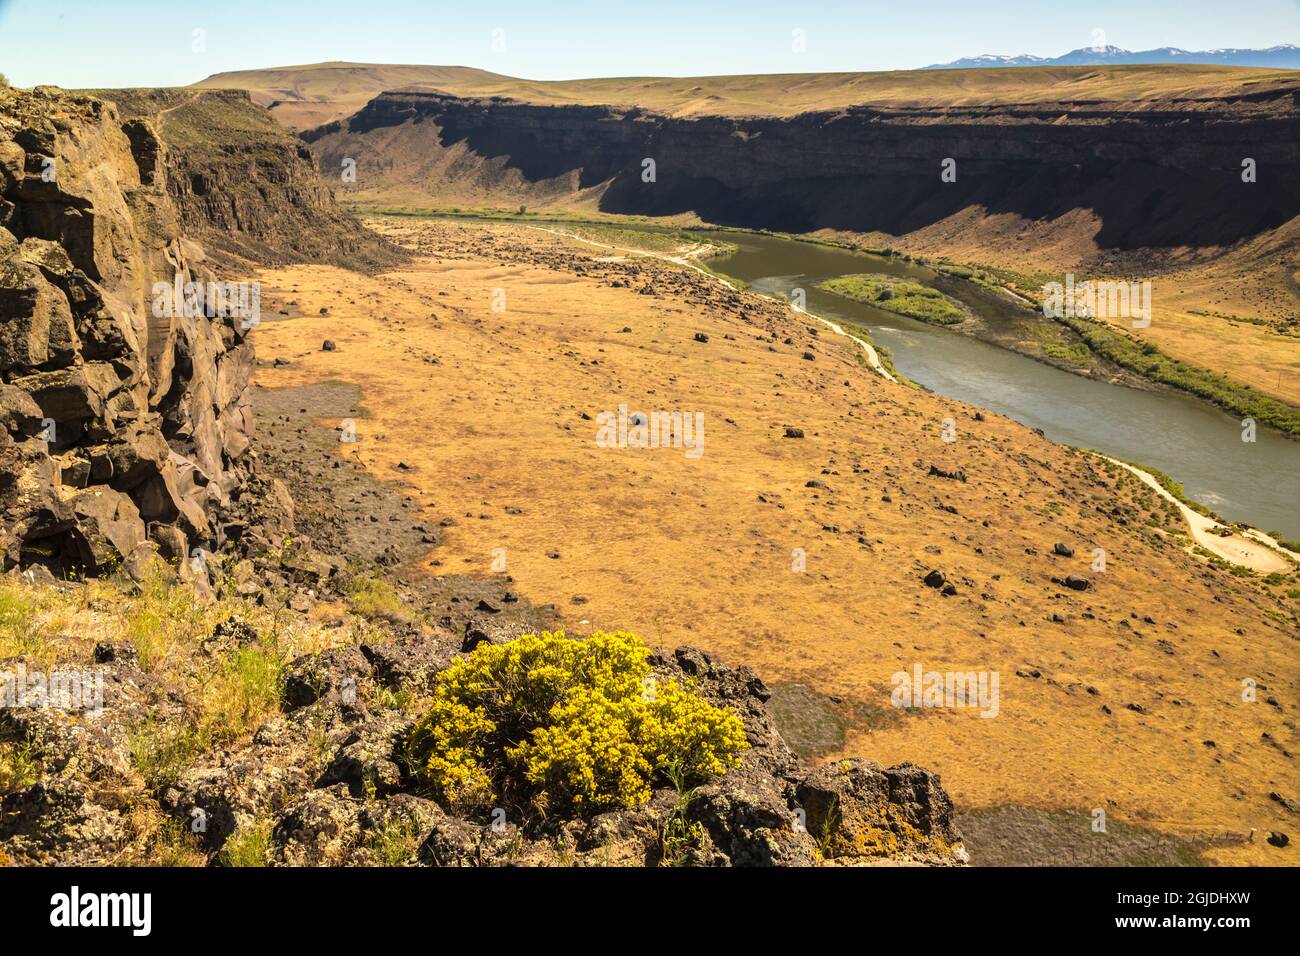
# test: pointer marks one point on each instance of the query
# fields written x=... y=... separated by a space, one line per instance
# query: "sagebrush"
x=556 y=724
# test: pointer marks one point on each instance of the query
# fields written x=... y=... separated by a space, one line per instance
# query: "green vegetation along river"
x=1199 y=445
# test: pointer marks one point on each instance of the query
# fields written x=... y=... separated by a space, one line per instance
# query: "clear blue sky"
x=150 y=43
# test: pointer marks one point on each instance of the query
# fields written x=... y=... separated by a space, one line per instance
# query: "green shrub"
x=1285 y=542
x=1147 y=360
x=1076 y=354
x=376 y=599
x=555 y=724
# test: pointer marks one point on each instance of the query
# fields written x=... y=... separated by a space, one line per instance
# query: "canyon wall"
x=243 y=185
x=124 y=387
x=1156 y=173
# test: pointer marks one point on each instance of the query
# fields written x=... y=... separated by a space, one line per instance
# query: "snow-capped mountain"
x=1285 y=56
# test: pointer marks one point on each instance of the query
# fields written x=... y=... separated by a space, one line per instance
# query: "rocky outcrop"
x=240 y=183
x=1163 y=172
x=325 y=780
x=124 y=390
x=125 y=362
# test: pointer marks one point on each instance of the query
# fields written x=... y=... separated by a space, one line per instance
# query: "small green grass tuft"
x=396 y=842
x=249 y=846
x=20 y=765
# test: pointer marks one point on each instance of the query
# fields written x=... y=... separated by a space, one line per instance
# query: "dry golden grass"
x=233 y=689
x=486 y=409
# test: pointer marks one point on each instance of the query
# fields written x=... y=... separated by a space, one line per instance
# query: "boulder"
x=410 y=663
x=110 y=526
x=750 y=822
x=20 y=416
x=320 y=830
x=332 y=673
x=857 y=809
x=55 y=821
x=37 y=327
x=451 y=842
x=74 y=394
x=368 y=762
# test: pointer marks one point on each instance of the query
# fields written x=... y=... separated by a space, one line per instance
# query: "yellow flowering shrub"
x=566 y=724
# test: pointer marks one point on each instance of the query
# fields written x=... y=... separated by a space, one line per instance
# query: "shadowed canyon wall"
x=1164 y=173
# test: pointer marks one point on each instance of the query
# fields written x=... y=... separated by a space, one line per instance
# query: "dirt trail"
x=1258 y=552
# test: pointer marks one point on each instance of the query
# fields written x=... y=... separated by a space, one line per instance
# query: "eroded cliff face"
x=125 y=414
x=241 y=184
x=1158 y=173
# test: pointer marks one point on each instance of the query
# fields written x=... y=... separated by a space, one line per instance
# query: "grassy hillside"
x=301 y=97
x=192 y=119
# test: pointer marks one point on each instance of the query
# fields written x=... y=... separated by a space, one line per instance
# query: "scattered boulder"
x=952 y=474
x=411 y=662
x=750 y=823
x=333 y=673
x=320 y=830
x=368 y=761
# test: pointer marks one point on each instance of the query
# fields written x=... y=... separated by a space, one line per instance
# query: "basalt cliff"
x=125 y=391
x=1157 y=173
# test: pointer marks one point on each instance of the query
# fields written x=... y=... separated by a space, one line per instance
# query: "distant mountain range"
x=1286 y=56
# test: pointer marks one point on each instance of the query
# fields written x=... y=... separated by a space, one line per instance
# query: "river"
x=1191 y=440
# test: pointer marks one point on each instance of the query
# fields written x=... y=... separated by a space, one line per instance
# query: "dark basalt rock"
x=137 y=406
x=328 y=780
x=864 y=810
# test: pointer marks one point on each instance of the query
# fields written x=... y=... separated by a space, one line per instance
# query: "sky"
x=108 y=43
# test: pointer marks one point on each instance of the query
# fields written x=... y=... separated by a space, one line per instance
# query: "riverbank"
x=708 y=250
x=1079 y=346
x=1250 y=549
x=680 y=245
